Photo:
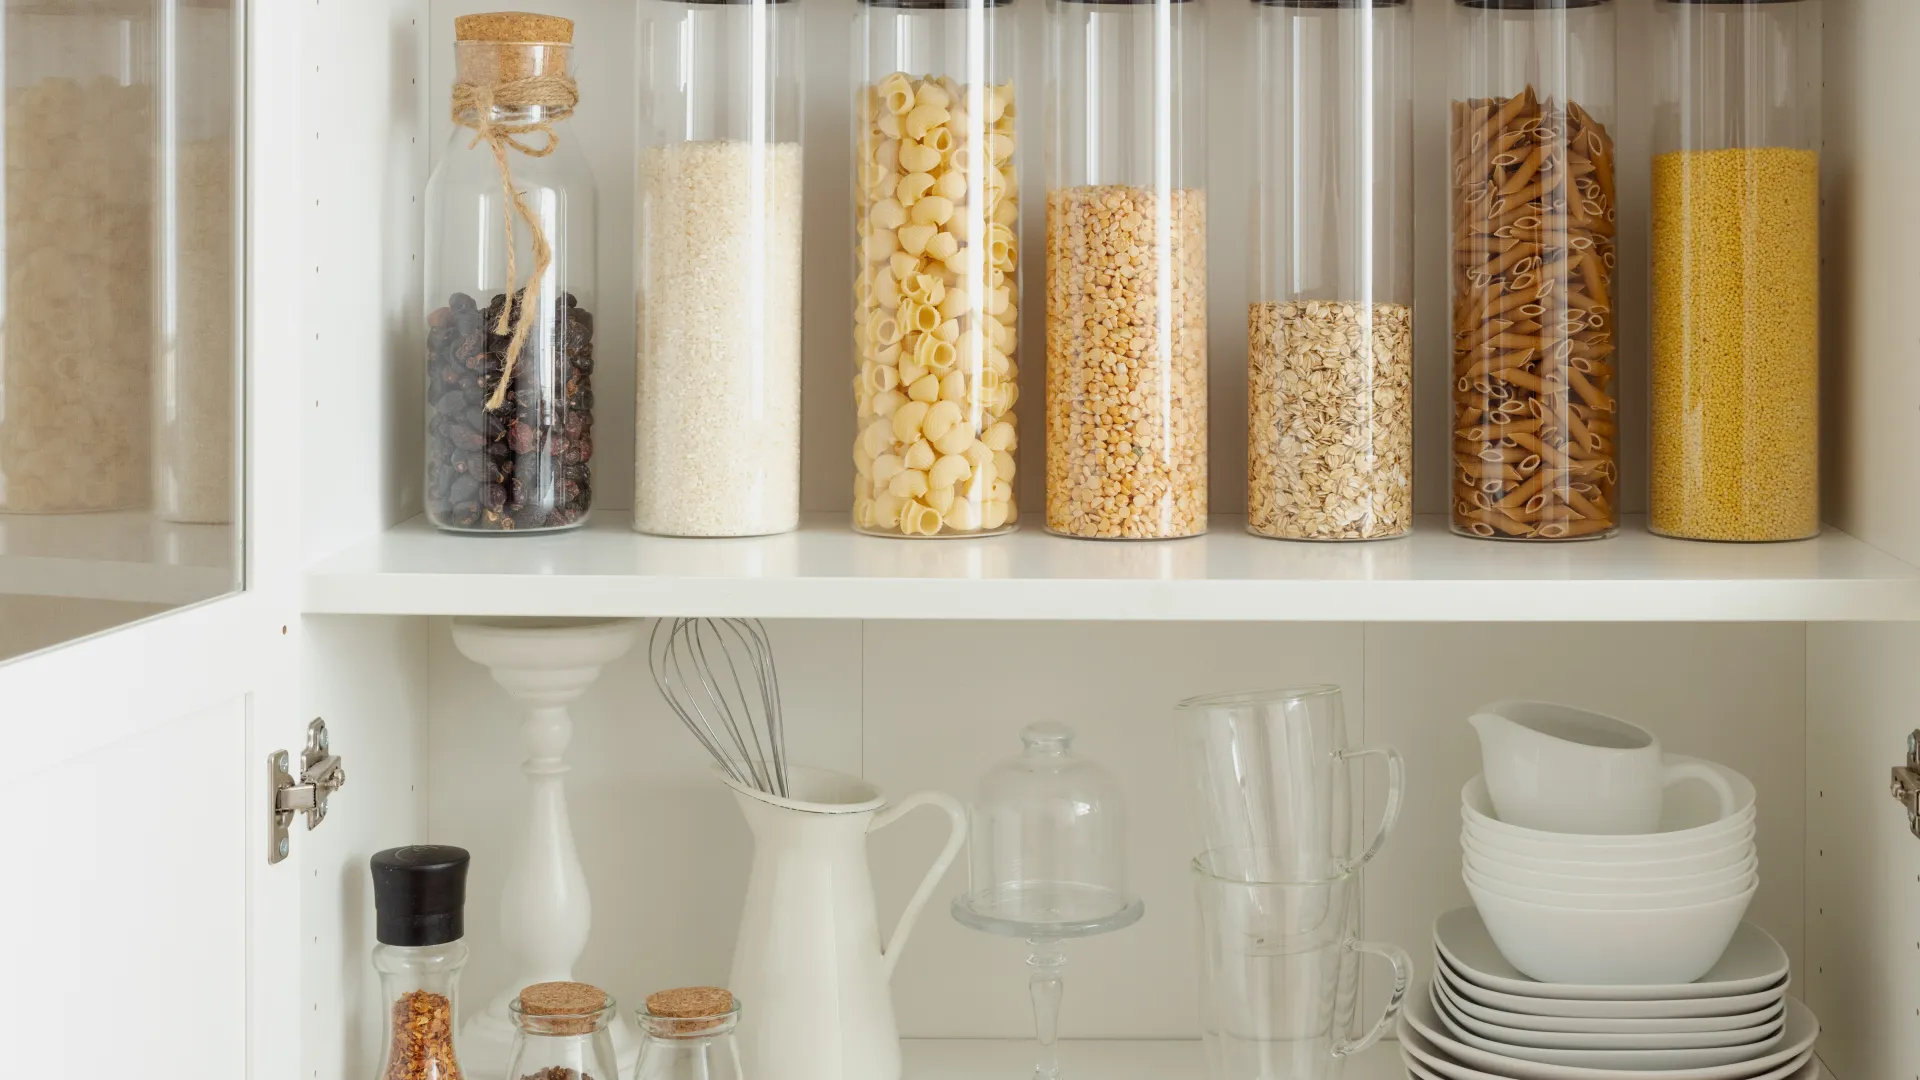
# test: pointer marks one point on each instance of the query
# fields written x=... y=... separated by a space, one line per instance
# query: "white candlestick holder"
x=545 y=912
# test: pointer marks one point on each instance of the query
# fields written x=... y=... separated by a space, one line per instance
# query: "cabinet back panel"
x=926 y=705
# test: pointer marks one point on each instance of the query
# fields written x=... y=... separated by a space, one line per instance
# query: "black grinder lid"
x=420 y=894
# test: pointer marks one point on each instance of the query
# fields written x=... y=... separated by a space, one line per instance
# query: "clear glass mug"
x=1272 y=956
x=1271 y=772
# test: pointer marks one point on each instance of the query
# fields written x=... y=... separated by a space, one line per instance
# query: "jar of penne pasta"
x=936 y=268
x=1127 y=270
x=1736 y=271
x=1330 y=321
x=717 y=268
x=1535 y=420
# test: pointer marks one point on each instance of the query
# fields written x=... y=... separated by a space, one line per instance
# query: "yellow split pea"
x=1736 y=265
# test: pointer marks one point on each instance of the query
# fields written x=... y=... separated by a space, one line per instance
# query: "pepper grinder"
x=419 y=903
x=1048 y=843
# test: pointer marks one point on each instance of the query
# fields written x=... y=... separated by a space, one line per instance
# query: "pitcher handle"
x=955 y=838
x=1402 y=978
x=1396 y=789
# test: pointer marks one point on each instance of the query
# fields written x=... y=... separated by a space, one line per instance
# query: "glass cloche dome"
x=1048 y=843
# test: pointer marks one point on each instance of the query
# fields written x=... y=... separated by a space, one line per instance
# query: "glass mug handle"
x=1402 y=978
x=1396 y=789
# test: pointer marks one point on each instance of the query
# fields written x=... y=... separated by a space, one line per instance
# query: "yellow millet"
x=1736 y=267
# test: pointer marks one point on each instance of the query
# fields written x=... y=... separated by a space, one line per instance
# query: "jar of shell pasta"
x=1535 y=419
x=1330 y=321
x=1736 y=272
x=936 y=269
x=1126 y=241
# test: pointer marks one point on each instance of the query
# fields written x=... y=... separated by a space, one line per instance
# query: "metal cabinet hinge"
x=321 y=774
x=1906 y=782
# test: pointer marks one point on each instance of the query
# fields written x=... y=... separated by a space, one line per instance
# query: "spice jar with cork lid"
x=688 y=1034
x=419 y=900
x=561 y=1033
x=510 y=287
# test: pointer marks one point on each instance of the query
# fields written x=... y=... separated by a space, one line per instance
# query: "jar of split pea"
x=1736 y=271
x=936 y=268
x=1127 y=270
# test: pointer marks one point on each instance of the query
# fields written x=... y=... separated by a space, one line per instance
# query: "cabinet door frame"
x=86 y=696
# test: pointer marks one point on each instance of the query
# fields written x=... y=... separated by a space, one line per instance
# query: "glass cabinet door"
x=119 y=319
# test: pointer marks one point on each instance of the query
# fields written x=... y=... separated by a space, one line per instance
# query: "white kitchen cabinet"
x=136 y=851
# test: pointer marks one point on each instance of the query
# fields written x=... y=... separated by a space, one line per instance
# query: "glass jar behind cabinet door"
x=717 y=268
x=937 y=258
x=80 y=229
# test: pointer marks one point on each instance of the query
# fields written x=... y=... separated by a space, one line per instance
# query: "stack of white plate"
x=1481 y=1019
x=1645 y=908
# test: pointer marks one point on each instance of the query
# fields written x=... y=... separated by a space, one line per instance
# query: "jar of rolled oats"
x=1127 y=271
x=1330 y=321
x=937 y=268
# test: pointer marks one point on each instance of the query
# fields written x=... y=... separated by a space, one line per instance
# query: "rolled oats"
x=1329 y=420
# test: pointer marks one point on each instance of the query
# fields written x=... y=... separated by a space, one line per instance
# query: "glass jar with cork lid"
x=510 y=287
x=688 y=1034
x=562 y=1033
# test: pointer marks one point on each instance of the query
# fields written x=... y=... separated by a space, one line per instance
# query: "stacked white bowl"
x=1656 y=907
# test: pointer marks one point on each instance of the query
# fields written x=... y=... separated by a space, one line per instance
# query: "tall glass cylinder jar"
x=1330 y=323
x=717 y=276
x=1736 y=271
x=1127 y=270
x=1531 y=203
x=937 y=268
x=510 y=287
x=76 y=373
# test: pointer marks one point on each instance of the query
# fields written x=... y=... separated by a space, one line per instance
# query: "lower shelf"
x=1104 y=1059
x=1107 y=1059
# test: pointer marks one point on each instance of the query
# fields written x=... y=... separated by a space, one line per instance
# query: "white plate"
x=1424 y=1062
x=1663 y=1009
x=1420 y=1016
x=1461 y=1020
x=1753 y=962
x=1613 y=1059
x=1688 y=1025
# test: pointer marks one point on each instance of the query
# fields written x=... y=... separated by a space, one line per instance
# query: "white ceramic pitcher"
x=808 y=967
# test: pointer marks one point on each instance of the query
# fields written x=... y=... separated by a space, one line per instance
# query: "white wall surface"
x=919 y=705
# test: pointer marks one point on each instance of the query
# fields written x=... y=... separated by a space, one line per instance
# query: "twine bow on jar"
x=544 y=100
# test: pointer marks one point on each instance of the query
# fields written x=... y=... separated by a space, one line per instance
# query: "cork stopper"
x=518 y=27
x=508 y=46
x=699 y=1007
x=570 y=1008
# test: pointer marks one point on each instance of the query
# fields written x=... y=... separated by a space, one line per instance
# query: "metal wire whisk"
x=719 y=678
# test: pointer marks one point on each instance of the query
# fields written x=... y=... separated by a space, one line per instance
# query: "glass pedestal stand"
x=1047 y=914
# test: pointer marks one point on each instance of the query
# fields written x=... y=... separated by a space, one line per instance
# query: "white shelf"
x=1110 y=1059
x=1105 y=1059
x=826 y=571
x=126 y=555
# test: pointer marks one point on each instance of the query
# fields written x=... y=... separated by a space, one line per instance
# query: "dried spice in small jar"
x=688 y=1034
x=562 y=1033
x=419 y=900
x=510 y=265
